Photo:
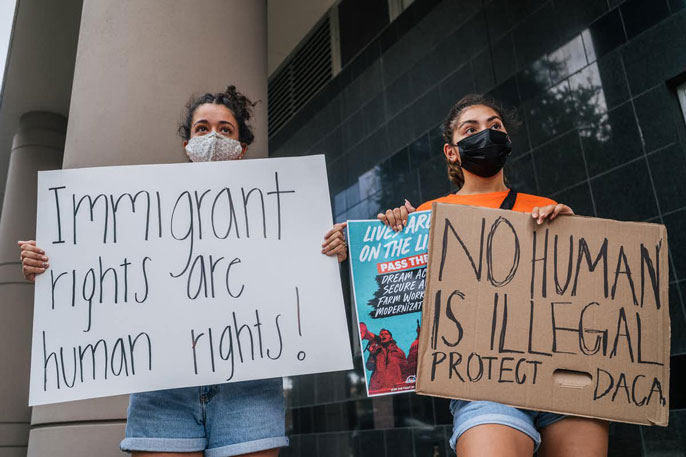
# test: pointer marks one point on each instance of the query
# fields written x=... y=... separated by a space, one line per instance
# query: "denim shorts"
x=468 y=414
x=222 y=420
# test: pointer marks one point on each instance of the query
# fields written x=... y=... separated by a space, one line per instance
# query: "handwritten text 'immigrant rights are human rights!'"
x=165 y=276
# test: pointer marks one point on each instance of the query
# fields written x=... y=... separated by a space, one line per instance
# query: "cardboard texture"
x=570 y=316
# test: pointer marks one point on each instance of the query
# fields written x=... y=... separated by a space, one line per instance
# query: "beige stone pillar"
x=37 y=145
x=137 y=64
x=139 y=61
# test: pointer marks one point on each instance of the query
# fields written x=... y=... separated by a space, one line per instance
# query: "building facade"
x=596 y=86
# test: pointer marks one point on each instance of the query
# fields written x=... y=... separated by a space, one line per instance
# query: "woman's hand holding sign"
x=334 y=242
x=33 y=259
x=396 y=218
x=550 y=212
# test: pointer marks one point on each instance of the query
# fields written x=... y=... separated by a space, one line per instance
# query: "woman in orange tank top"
x=476 y=147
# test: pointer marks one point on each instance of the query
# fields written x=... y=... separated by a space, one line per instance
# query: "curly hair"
x=240 y=106
x=508 y=115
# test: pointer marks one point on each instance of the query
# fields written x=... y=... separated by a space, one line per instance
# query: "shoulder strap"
x=510 y=199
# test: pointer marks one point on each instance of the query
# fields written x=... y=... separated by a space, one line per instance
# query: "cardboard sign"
x=165 y=276
x=570 y=316
x=388 y=275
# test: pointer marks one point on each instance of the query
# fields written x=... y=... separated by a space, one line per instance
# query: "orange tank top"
x=525 y=203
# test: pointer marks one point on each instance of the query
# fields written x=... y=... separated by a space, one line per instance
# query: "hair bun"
x=240 y=105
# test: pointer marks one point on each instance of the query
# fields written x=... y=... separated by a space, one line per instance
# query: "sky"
x=6 y=18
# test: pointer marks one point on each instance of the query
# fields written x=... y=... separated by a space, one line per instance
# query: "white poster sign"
x=165 y=276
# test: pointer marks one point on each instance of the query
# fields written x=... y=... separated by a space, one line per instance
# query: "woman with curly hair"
x=241 y=418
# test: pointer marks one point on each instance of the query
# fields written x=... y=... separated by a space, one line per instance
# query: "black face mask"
x=484 y=153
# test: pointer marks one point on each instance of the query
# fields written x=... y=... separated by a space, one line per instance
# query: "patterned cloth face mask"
x=213 y=147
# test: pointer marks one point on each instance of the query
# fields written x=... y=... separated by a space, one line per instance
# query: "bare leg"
x=494 y=440
x=267 y=453
x=574 y=436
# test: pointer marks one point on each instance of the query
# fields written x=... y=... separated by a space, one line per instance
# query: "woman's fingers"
x=403 y=215
x=332 y=237
x=337 y=247
x=34 y=263
x=544 y=212
x=396 y=218
x=341 y=252
x=27 y=244
x=31 y=246
x=334 y=243
x=336 y=228
x=558 y=208
x=398 y=215
x=33 y=259
x=331 y=246
x=390 y=217
x=31 y=269
x=29 y=276
x=31 y=272
x=32 y=255
x=550 y=212
x=540 y=213
x=328 y=250
x=561 y=209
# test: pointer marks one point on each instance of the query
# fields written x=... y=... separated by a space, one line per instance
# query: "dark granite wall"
x=592 y=81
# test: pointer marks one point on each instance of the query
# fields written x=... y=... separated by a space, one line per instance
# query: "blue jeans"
x=222 y=420
x=468 y=414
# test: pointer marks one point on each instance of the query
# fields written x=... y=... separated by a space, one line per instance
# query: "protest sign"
x=571 y=316
x=166 y=276
x=388 y=275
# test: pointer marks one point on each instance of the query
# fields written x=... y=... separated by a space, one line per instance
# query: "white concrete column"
x=139 y=61
x=137 y=64
x=37 y=145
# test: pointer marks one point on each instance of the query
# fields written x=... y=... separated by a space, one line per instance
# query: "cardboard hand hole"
x=572 y=378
